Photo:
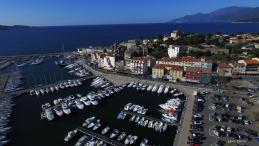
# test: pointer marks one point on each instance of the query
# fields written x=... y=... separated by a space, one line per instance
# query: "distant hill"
x=5 y=27
x=228 y=14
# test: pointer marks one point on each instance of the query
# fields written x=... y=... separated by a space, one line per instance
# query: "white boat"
x=49 y=114
x=105 y=130
x=133 y=139
x=121 y=136
x=160 y=89
x=79 y=104
x=166 y=89
x=154 y=89
x=70 y=134
x=94 y=102
x=130 y=84
x=144 y=142
x=114 y=133
x=127 y=140
x=149 y=88
x=97 y=125
x=66 y=110
x=58 y=111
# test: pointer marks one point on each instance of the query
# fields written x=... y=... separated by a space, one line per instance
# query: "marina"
x=90 y=84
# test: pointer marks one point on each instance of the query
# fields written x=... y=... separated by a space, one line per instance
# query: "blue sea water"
x=50 y=39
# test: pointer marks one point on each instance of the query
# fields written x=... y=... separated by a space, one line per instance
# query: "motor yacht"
x=49 y=114
x=114 y=133
x=121 y=136
x=70 y=134
x=105 y=130
x=154 y=89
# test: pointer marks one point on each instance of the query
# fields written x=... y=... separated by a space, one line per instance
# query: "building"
x=224 y=70
x=175 y=51
x=176 y=34
x=187 y=62
x=198 y=75
x=104 y=60
x=141 y=65
x=167 y=71
x=238 y=68
x=252 y=65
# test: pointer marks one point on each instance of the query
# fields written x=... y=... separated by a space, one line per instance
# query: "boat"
x=154 y=89
x=166 y=89
x=79 y=104
x=4 y=142
x=132 y=118
x=49 y=114
x=66 y=110
x=70 y=134
x=149 y=88
x=133 y=139
x=127 y=140
x=144 y=142
x=97 y=125
x=160 y=89
x=114 y=133
x=94 y=102
x=130 y=84
x=121 y=136
x=105 y=130
x=58 y=111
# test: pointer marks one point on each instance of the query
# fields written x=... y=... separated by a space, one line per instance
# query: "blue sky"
x=88 y=12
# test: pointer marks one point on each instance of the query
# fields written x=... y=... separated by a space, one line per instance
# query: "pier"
x=149 y=118
x=100 y=137
x=45 y=86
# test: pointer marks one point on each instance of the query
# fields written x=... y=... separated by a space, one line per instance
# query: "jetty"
x=19 y=92
x=100 y=137
x=149 y=118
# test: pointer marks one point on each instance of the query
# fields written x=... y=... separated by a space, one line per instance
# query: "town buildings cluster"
x=133 y=57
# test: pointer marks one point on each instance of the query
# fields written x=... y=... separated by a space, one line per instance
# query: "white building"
x=140 y=65
x=175 y=51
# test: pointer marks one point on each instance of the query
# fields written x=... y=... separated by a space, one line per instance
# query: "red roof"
x=172 y=67
x=224 y=65
x=251 y=62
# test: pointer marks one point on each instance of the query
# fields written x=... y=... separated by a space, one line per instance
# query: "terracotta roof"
x=224 y=65
x=172 y=67
x=198 y=69
x=251 y=62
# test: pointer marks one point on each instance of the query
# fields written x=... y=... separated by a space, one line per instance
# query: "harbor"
x=105 y=109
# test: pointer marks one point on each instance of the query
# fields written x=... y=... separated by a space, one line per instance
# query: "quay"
x=100 y=137
x=149 y=118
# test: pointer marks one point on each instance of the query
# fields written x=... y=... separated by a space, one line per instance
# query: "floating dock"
x=100 y=137
x=149 y=118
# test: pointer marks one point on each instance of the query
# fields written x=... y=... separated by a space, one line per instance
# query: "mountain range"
x=224 y=15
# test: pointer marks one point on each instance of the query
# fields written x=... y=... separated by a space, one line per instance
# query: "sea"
x=28 y=129
x=50 y=39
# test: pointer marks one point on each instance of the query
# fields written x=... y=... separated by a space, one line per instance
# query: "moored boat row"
x=61 y=85
x=150 y=88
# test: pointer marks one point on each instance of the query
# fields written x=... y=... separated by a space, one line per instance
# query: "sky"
x=90 y=12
